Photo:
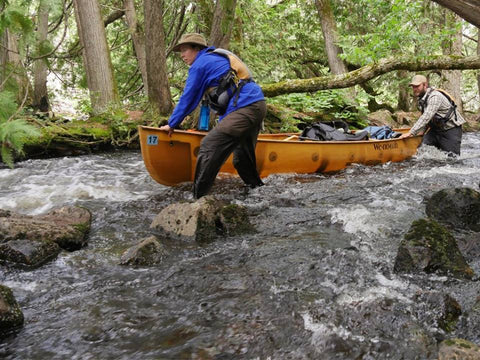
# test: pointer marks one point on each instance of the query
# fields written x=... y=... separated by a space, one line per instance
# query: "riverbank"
x=62 y=137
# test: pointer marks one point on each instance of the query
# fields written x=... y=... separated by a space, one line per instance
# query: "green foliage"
x=13 y=134
x=329 y=101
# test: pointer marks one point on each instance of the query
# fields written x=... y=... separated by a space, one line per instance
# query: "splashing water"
x=314 y=282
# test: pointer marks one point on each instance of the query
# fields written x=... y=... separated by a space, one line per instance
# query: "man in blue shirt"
x=238 y=127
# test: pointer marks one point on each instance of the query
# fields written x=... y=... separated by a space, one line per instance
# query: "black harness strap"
x=438 y=120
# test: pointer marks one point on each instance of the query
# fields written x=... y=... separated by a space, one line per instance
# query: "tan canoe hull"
x=171 y=160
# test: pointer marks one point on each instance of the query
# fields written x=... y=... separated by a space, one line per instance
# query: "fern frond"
x=8 y=105
x=7 y=156
x=13 y=135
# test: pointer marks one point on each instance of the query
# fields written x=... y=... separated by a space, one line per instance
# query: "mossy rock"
x=234 y=220
x=11 y=316
x=147 y=253
x=203 y=220
x=458 y=349
x=458 y=208
x=431 y=248
x=28 y=254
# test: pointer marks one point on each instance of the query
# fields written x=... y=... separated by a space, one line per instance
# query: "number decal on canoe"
x=152 y=140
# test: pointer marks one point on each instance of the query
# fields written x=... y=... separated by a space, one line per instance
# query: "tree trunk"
x=223 y=23
x=478 y=73
x=329 y=30
x=157 y=79
x=96 y=54
x=466 y=9
x=371 y=71
x=453 y=78
x=40 y=71
x=330 y=36
x=138 y=39
x=403 y=93
x=12 y=68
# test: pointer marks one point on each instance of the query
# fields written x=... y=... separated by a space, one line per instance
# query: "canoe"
x=171 y=160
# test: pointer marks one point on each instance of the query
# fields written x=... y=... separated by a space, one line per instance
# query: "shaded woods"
x=115 y=59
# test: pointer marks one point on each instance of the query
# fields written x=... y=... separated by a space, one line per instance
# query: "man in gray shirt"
x=441 y=122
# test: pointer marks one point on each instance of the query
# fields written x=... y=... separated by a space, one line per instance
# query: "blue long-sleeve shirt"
x=205 y=72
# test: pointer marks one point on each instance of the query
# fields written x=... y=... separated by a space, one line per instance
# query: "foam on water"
x=36 y=187
x=391 y=289
x=356 y=219
x=321 y=331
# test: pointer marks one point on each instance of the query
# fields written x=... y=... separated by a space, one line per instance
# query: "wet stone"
x=148 y=252
x=458 y=349
x=469 y=323
x=458 y=208
x=11 y=316
x=438 y=310
x=68 y=226
x=203 y=220
x=429 y=247
x=27 y=253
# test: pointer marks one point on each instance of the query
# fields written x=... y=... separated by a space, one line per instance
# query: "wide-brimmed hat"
x=192 y=39
x=417 y=80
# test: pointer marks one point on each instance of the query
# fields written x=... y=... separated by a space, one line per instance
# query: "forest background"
x=111 y=62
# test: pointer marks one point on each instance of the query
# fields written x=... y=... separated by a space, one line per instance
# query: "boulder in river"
x=458 y=208
x=28 y=253
x=11 y=316
x=202 y=220
x=67 y=226
x=430 y=247
x=458 y=349
x=148 y=252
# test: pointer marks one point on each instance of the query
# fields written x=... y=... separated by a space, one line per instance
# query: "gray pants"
x=446 y=140
x=236 y=133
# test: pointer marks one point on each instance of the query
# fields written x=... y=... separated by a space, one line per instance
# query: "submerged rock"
x=438 y=310
x=67 y=226
x=28 y=253
x=458 y=349
x=202 y=220
x=458 y=208
x=429 y=247
x=11 y=317
x=469 y=323
x=148 y=252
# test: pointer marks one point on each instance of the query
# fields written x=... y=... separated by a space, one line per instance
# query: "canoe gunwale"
x=267 y=137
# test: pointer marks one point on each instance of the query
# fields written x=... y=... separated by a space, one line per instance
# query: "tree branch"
x=467 y=9
x=371 y=71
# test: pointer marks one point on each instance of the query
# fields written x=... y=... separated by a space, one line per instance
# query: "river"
x=314 y=282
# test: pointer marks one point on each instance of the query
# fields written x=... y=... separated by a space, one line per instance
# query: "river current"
x=315 y=281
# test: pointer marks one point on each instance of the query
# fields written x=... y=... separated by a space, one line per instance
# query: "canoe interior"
x=171 y=160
